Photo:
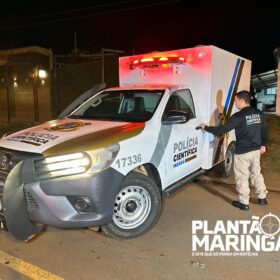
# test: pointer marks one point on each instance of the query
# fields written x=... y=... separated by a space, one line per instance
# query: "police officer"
x=251 y=138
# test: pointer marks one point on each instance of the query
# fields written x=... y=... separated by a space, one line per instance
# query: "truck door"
x=183 y=153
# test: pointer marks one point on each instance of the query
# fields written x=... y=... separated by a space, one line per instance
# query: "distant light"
x=42 y=74
x=200 y=54
x=15 y=82
x=43 y=82
x=163 y=59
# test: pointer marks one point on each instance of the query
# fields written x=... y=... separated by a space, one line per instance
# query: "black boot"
x=240 y=205
x=262 y=201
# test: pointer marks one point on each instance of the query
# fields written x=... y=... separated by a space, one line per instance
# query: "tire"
x=137 y=207
x=226 y=169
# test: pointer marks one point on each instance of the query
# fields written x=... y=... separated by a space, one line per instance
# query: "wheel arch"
x=151 y=171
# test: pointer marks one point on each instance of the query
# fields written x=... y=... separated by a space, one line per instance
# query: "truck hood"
x=69 y=136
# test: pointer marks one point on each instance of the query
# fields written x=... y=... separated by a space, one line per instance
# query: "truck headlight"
x=68 y=164
x=103 y=158
x=77 y=163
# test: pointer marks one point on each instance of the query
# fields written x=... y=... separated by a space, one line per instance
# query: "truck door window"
x=181 y=101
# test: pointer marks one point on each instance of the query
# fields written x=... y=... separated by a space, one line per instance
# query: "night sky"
x=251 y=31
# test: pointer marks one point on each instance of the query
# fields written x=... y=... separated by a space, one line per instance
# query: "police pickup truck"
x=112 y=155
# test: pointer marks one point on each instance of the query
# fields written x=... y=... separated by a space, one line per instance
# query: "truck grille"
x=2 y=218
x=8 y=160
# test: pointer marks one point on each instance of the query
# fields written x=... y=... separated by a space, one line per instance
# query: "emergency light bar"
x=153 y=62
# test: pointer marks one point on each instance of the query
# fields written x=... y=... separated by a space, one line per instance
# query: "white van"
x=114 y=153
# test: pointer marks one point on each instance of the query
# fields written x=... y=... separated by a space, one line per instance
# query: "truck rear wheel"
x=136 y=209
x=227 y=164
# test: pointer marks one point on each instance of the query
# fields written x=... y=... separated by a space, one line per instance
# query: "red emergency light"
x=154 y=62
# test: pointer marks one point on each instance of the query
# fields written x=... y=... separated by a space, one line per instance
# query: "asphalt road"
x=163 y=253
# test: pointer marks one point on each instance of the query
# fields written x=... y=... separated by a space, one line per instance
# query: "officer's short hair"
x=245 y=95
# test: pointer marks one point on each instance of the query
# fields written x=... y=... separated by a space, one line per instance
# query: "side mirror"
x=175 y=117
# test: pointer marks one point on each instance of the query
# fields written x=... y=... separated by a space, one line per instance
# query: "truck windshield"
x=120 y=105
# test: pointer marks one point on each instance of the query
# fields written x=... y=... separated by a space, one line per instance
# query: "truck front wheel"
x=136 y=209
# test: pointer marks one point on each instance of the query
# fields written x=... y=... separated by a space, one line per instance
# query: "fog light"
x=82 y=204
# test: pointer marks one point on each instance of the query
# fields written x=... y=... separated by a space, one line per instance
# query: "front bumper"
x=28 y=202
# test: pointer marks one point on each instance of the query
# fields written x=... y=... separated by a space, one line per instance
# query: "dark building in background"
x=36 y=85
x=265 y=88
x=78 y=72
x=25 y=85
